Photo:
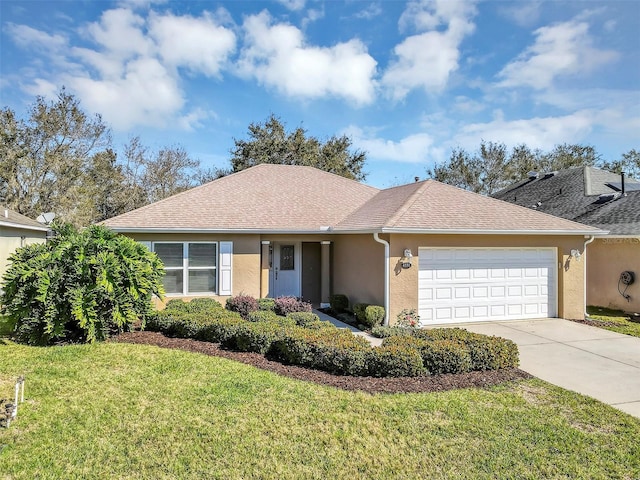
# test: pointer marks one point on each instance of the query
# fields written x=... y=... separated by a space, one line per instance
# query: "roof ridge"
x=408 y=203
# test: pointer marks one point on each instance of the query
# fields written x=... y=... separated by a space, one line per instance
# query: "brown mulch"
x=434 y=383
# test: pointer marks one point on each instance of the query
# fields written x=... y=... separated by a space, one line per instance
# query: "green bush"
x=374 y=316
x=384 y=332
x=80 y=286
x=197 y=305
x=303 y=319
x=262 y=316
x=267 y=304
x=339 y=302
x=445 y=356
x=359 y=311
x=395 y=361
x=254 y=337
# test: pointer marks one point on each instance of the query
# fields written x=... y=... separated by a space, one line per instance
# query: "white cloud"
x=426 y=60
x=194 y=119
x=146 y=94
x=27 y=37
x=414 y=148
x=294 y=5
x=203 y=47
x=278 y=57
x=523 y=13
x=370 y=11
x=561 y=49
x=538 y=132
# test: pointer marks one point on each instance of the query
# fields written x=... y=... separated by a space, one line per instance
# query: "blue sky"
x=408 y=81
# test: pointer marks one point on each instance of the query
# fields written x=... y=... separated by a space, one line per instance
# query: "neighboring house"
x=275 y=230
x=16 y=230
x=593 y=197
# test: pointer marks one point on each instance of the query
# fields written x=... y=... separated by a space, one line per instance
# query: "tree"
x=269 y=142
x=45 y=157
x=80 y=286
x=492 y=168
x=629 y=163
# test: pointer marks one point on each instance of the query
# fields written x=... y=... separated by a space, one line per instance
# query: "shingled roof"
x=583 y=194
x=11 y=219
x=296 y=199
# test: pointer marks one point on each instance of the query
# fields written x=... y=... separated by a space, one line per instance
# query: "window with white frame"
x=190 y=267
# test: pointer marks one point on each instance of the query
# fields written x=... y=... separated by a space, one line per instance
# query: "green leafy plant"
x=339 y=302
x=267 y=304
x=408 y=318
x=374 y=315
x=359 y=311
x=303 y=318
x=80 y=286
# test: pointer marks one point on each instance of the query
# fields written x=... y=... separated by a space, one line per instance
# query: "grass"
x=614 y=320
x=132 y=411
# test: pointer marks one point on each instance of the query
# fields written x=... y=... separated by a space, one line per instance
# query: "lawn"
x=613 y=320
x=132 y=411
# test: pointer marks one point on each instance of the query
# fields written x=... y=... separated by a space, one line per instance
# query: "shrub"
x=286 y=305
x=359 y=311
x=242 y=304
x=303 y=319
x=339 y=302
x=267 y=304
x=197 y=305
x=254 y=337
x=262 y=316
x=445 y=356
x=80 y=286
x=384 y=332
x=408 y=318
x=374 y=315
x=394 y=361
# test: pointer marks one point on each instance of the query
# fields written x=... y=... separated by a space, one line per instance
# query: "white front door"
x=285 y=270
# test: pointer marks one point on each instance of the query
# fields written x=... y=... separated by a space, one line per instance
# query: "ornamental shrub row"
x=302 y=339
x=246 y=304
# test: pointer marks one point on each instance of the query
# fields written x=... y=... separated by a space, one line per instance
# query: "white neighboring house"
x=16 y=230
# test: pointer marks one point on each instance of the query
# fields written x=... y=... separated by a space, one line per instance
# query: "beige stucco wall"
x=607 y=258
x=12 y=238
x=246 y=259
x=404 y=282
x=358 y=268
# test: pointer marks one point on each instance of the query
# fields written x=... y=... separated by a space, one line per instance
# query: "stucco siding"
x=570 y=275
x=12 y=238
x=358 y=268
x=607 y=258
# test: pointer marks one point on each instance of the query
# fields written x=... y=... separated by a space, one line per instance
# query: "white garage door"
x=476 y=284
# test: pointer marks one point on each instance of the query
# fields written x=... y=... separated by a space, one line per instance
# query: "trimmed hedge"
x=303 y=319
x=373 y=315
x=262 y=316
x=242 y=304
x=254 y=337
x=339 y=302
x=267 y=304
x=386 y=332
x=197 y=305
x=359 y=311
x=286 y=305
x=395 y=361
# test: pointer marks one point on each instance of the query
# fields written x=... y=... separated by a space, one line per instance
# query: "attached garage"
x=479 y=284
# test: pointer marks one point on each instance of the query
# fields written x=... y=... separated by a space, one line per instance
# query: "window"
x=190 y=267
x=286 y=257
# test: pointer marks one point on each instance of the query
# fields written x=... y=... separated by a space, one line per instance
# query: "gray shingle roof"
x=286 y=198
x=574 y=194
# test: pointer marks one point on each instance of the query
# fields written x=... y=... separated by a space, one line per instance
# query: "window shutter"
x=226 y=254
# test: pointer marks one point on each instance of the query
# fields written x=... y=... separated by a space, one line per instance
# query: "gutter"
x=584 y=254
x=386 y=277
x=23 y=227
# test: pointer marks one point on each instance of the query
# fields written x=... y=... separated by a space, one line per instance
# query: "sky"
x=407 y=81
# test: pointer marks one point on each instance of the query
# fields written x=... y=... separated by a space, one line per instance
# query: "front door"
x=285 y=270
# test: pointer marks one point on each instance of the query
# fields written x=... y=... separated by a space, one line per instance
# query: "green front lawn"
x=613 y=320
x=130 y=411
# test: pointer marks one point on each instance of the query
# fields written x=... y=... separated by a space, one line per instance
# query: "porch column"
x=264 y=269
x=325 y=271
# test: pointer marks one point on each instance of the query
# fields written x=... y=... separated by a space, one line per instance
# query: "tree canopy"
x=270 y=142
x=60 y=159
x=493 y=167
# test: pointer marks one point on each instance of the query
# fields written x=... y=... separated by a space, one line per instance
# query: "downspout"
x=584 y=254
x=386 y=277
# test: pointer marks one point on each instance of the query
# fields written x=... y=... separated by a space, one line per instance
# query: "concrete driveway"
x=595 y=362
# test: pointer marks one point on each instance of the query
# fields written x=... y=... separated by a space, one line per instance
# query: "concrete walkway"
x=595 y=362
x=372 y=340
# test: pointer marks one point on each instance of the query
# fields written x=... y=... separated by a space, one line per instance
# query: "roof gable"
x=9 y=218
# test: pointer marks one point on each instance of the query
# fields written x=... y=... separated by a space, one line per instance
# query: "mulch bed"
x=434 y=383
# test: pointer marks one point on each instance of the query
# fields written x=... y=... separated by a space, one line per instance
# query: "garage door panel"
x=457 y=285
